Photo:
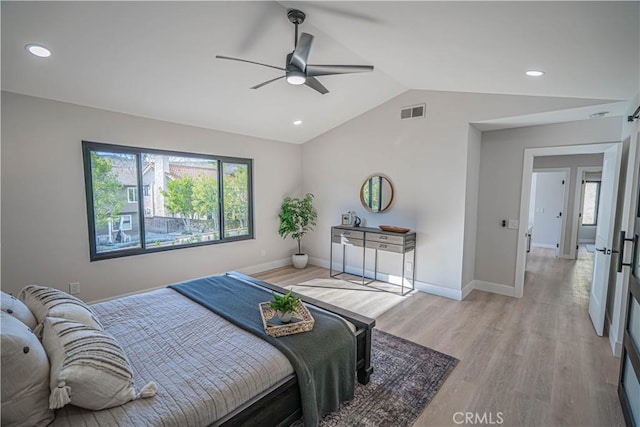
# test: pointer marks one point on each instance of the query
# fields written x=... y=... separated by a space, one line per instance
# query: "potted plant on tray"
x=285 y=306
x=297 y=218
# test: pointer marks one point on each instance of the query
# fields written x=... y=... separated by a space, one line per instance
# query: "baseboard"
x=616 y=346
x=441 y=291
x=495 y=288
x=258 y=268
x=425 y=287
x=467 y=289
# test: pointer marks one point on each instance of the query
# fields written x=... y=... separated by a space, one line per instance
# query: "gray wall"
x=501 y=183
x=44 y=224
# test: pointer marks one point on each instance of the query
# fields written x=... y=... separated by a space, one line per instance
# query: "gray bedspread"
x=324 y=358
x=204 y=366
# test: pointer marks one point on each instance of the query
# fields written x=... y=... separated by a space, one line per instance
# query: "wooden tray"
x=304 y=323
x=394 y=229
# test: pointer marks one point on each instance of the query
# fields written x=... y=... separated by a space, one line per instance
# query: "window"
x=187 y=199
x=125 y=222
x=132 y=194
x=590 y=202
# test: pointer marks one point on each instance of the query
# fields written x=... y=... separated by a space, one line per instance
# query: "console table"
x=378 y=240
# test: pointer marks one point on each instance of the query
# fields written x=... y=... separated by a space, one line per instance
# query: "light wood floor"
x=537 y=360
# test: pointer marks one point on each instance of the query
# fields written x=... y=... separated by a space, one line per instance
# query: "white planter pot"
x=285 y=317
x=299 y=261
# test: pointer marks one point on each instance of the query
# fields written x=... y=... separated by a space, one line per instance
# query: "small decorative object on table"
x=285 y=315
x=394 y=229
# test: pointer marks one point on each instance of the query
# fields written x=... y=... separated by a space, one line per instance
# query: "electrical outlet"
x=263 y=252
x=74 y=288
x=409 y=267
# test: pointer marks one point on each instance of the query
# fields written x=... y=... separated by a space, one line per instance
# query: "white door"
x=549 y=208
x=604 y=236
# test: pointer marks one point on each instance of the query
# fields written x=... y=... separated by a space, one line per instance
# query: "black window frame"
x=595 y=213
x=90 y=146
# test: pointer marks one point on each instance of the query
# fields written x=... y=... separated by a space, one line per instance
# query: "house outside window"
x=187 y=199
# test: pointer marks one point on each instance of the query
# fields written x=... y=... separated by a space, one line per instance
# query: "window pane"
x=634 y=322
x=181 y=202
x=235 y=179
x=632 y=388
x=590 y=204
x=116 y=220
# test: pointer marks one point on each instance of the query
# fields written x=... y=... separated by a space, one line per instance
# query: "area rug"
x=406 y=376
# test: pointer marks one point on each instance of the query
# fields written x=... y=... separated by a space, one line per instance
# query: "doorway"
x=587 y=200
x=612 y=154
x=549 y=200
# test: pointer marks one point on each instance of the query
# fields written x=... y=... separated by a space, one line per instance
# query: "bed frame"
x=281 y=407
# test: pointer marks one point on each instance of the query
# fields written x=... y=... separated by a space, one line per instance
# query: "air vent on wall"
x=413 y=112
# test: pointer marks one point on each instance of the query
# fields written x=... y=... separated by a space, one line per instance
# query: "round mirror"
x=376 y=193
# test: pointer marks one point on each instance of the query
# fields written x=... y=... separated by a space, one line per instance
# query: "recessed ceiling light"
x=534 y=73
x=38 y=50
x=297 y=122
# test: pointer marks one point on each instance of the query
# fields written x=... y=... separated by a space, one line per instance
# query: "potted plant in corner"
x=297 y=218
x=285 y=306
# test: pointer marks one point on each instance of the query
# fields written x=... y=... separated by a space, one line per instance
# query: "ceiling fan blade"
x=300 y=55
x=250 y=62
x=313 y=83
x=326 y=70
x=267 y=82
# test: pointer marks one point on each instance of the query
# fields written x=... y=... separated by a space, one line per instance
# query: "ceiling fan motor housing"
x=296 y=16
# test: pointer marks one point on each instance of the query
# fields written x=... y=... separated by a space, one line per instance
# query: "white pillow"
x=49 y=302
x=25 y=376
x=88 y=367
x=16 y=308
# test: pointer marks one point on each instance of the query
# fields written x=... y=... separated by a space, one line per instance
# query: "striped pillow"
x=88 y=367
x=49 y=302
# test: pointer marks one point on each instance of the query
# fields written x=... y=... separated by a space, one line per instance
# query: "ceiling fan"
x=296 y=69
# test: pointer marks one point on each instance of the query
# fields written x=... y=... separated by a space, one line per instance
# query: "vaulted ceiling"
x=156 y=59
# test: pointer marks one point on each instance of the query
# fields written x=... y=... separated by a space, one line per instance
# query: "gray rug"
x=405 y=378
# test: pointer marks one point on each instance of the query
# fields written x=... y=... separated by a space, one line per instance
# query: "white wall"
x=572 y=162
x=501 y=182
x=471 y=206
x=549 y=201
x=44 y=227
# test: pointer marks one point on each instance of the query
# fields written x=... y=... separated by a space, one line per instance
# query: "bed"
x=208 y=371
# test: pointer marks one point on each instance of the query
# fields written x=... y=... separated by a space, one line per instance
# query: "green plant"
x=284 y=304
x=297 y=218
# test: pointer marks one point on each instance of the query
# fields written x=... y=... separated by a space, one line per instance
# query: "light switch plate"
x=514 y=224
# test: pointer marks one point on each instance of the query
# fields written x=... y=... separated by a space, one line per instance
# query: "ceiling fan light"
x=296 y=77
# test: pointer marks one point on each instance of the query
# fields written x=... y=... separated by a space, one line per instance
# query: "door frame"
x=577 y=205
x=525 y=194
x=565 y=204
